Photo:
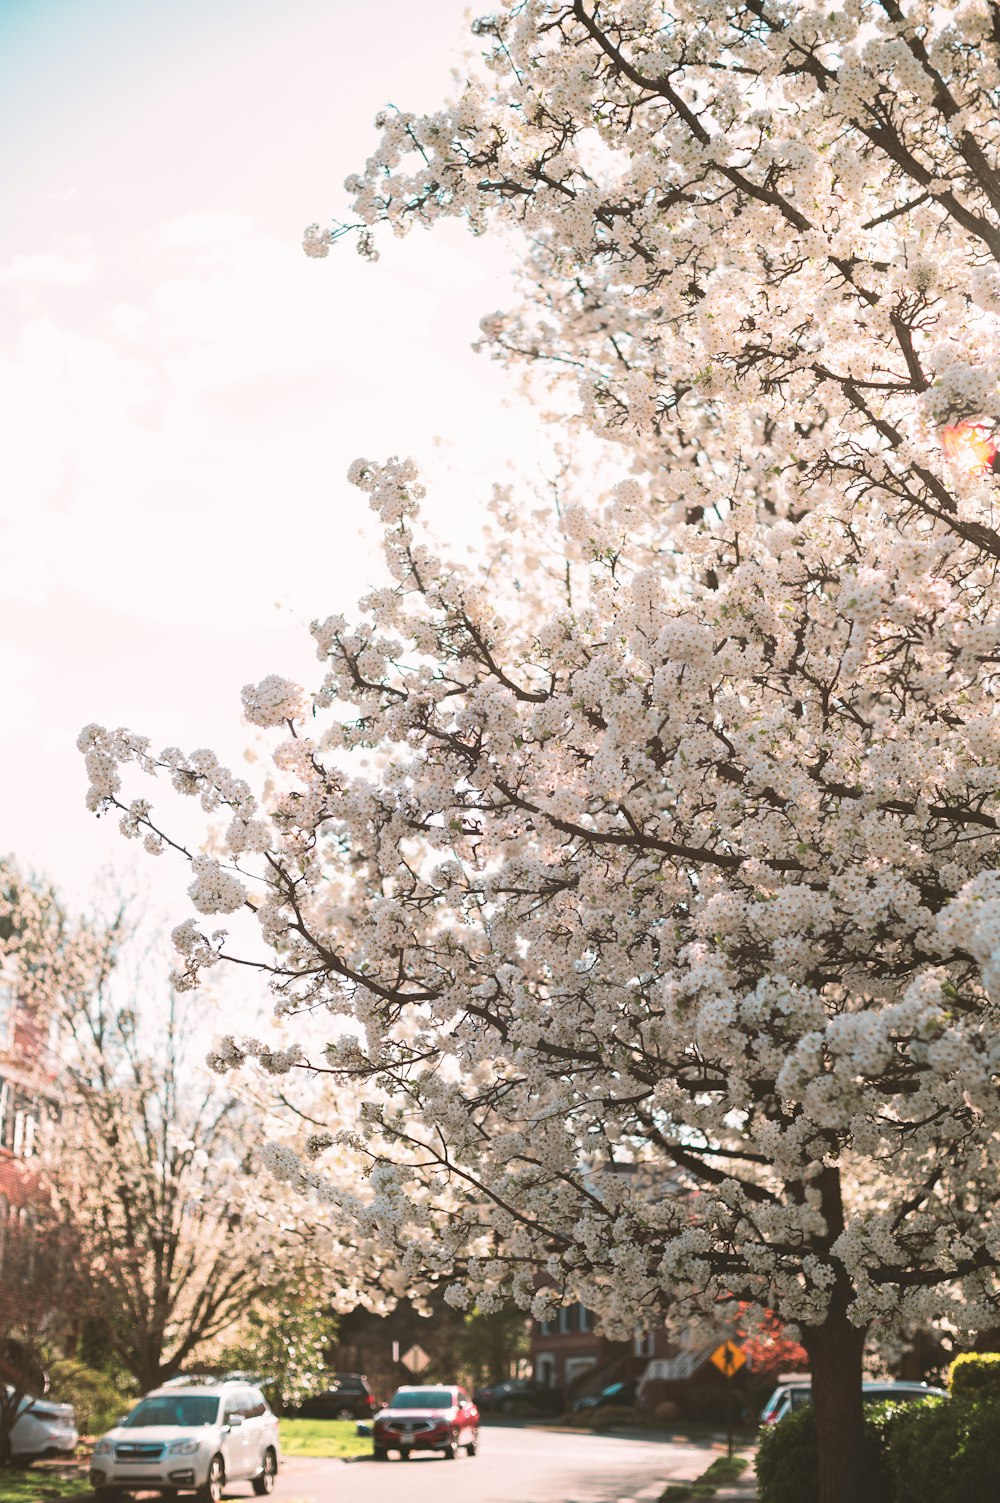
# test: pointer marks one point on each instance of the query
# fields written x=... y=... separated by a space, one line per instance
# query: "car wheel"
x=211 y=1490
x=450 y=1452
x=473 y=1445
x=264 y=1484
x=380 y=1453
x=344 y=1412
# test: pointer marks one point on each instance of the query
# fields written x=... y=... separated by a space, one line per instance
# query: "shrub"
x=613 y=1416
x=787 y=1467
x=97 y=1401
x=786 y=1460
x=976 y=1375
x=946 y=1452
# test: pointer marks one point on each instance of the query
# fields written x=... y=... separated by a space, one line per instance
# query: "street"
x=527 y=1465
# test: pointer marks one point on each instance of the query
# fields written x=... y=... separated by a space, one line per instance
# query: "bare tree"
x=151 y=1165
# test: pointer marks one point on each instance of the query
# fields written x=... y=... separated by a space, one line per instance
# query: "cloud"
x=43 y=269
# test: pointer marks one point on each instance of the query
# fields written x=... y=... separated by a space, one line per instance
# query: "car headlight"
x=103 y=1448
x=183 y=1447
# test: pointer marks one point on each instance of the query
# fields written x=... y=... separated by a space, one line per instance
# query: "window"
x=546 y=1327
x=8 y=1001
x=20 y=1123
x=184 y=1411
x=586 y=1318
x=565 y=1320
x=643 y=1344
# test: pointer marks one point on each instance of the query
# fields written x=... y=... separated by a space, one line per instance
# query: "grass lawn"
x=37 y=1485
x=305 y=1437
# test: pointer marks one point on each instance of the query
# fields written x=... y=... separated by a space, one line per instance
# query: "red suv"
x=438 y=1418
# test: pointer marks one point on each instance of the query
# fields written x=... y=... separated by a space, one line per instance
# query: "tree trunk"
x=835 y=1352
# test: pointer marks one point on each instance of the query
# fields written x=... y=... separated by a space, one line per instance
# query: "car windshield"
x=185 y=1410
x=422 y=1398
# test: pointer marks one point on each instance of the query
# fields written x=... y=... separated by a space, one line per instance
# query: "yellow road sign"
x=728 y=1358
x=416 y=1359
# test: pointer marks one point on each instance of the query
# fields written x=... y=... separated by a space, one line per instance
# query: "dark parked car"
x=615 y=1393
x=345 y=1396
x=521 y=1397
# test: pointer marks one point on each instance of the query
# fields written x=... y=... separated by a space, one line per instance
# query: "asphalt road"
x=513 y=1466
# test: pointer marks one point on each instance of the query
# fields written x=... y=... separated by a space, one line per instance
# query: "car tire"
x=211 y=1489
x=473 y=1446
x=264 y=1483
x=450 y=1452
x=379 y=1453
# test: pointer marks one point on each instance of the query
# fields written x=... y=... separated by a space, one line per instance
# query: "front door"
x=233 y=1439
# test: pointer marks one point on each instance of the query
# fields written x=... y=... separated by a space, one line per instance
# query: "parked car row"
x=199 y=1434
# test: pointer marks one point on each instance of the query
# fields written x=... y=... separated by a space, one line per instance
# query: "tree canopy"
x=664 y=916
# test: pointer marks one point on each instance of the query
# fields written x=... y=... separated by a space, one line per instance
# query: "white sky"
x=182 y=390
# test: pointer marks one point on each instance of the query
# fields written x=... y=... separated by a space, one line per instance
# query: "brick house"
x=568 y=1353
x=28 y=1090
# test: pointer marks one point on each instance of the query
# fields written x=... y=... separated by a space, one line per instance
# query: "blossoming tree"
x=664 y=916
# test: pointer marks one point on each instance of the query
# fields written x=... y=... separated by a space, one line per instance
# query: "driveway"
x=527 y=1465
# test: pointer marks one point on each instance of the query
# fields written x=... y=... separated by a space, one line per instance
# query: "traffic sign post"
x=729 y=1358
x=415 y=1360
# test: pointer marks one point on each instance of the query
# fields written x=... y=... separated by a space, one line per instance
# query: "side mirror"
x=234 y=1420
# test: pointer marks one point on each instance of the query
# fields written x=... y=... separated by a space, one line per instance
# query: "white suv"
x=190 y=1437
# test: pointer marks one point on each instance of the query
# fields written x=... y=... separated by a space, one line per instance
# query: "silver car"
x=788 y=1397
x=195 y=1437
x=42 y=1428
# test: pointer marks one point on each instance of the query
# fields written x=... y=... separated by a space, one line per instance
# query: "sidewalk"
x=744 y=1490
x=731 y=1492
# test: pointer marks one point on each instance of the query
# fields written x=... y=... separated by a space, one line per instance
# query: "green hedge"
x=945 y=1452
x=976 y=1375
x=940 y=1451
